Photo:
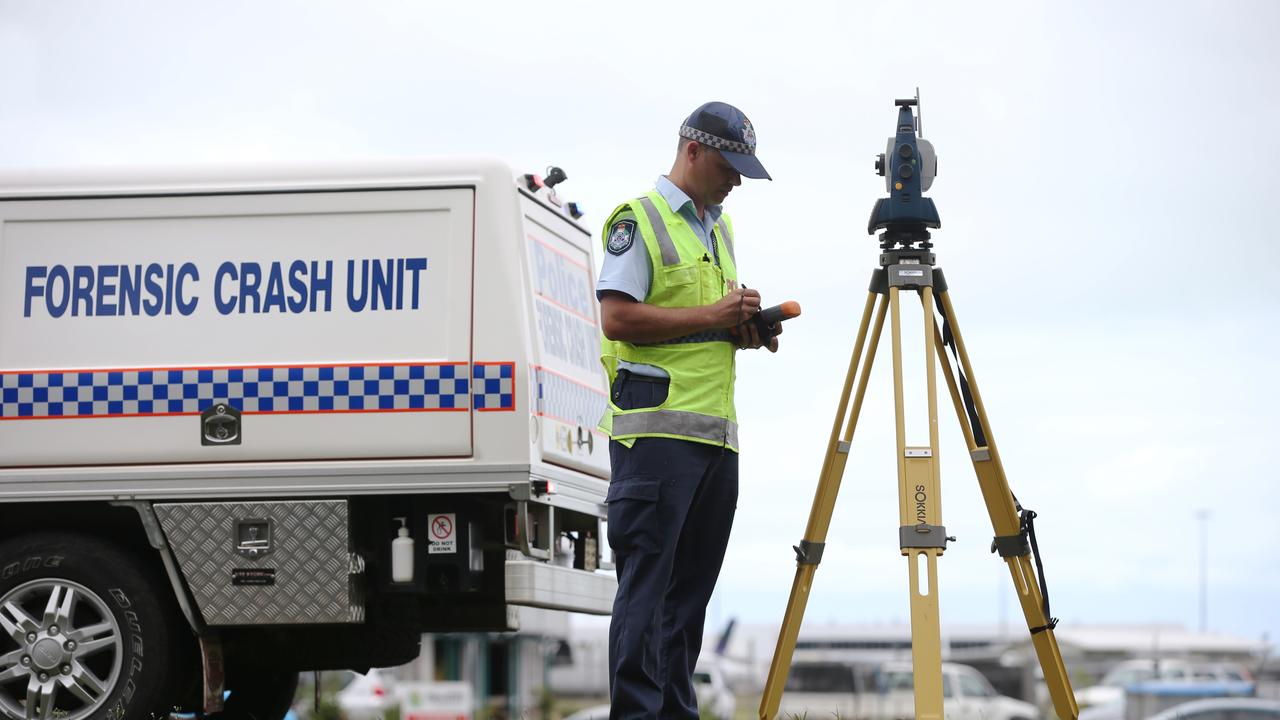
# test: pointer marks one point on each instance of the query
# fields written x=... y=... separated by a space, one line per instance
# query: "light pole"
x=1203 y=517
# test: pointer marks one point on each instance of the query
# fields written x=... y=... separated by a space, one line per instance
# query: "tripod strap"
x=948 y=339
x=1028 y=521
x=1013 y=545
x=1017 y=546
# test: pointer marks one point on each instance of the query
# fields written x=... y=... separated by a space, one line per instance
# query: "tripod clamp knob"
x=923 y=536
x=1011 y=545
x=808 y=553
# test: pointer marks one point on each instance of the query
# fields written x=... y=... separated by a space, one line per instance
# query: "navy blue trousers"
x=671 y=506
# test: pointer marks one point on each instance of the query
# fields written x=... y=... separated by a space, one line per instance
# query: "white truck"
x=886 y=691
x=224 y=390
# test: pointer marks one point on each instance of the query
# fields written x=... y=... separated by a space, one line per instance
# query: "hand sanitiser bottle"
x=402 y=555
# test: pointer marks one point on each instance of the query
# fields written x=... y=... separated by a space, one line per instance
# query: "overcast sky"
x=1107 y=174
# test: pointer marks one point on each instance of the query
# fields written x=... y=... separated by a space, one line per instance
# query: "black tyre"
x=85 y=632
x=259 y=696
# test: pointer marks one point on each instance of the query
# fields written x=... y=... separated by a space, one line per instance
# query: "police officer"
x=674 y=316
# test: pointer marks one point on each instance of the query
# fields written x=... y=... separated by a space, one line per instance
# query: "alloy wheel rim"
x=61 y=651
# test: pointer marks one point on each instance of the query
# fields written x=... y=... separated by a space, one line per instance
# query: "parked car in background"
x=1110 y=690
x=714 y=697
x=1233 y=708
x=1221 y=673
x=1233 y=678
x=887 y=691
x=827 y=688
x=1106 y=711
x=368 y=696
x=1226 y=708
x=595 y=712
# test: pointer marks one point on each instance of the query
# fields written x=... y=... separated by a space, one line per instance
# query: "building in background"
x=508 y=672
x=1003 y=655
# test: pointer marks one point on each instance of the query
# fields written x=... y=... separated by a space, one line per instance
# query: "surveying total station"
x=907 y=264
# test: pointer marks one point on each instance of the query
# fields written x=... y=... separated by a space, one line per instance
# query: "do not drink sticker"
x=442 y=533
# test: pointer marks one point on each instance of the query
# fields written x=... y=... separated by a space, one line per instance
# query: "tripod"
x=907 y=264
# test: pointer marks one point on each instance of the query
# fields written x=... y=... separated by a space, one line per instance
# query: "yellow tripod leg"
x=1006 y=521
x=809 y=552
x=921 y=534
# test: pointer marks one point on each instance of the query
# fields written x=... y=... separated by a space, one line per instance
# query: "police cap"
x=724 y=127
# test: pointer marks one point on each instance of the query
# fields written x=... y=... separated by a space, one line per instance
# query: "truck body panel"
x=566 y=370
x=296 y=308
x=239 y=381
x=83 y=344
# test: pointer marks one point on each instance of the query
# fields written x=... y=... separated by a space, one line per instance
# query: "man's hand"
x=735 y=308
x=748 y=336
x=624 y=318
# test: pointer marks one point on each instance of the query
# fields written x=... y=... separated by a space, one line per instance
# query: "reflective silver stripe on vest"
x=669 y=254
x=728 y=238
x=677 y=422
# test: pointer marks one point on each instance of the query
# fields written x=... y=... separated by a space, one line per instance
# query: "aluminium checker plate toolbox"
x=265 y=563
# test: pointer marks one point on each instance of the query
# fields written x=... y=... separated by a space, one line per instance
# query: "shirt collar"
x=677 y=199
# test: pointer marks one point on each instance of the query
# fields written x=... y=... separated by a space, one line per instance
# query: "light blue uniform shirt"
x=632 y=273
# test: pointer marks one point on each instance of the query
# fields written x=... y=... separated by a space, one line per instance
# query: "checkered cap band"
x=718 y=143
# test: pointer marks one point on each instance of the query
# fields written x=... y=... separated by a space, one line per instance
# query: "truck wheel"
x=83 y=633
x=261 y=696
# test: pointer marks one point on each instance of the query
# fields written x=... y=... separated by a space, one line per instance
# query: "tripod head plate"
x=910 y=276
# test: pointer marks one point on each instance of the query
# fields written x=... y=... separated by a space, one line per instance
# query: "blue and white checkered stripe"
x=495 y=386
x=562 y=399
x=112 y=393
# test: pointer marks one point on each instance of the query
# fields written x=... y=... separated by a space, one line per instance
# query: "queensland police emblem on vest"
x=621 y=235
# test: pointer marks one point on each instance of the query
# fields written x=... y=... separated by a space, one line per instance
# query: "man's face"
x=714 y=176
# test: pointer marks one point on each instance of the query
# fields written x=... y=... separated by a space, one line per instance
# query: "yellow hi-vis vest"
x=699 y=404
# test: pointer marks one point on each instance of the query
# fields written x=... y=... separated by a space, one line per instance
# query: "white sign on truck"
x=220 y=388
